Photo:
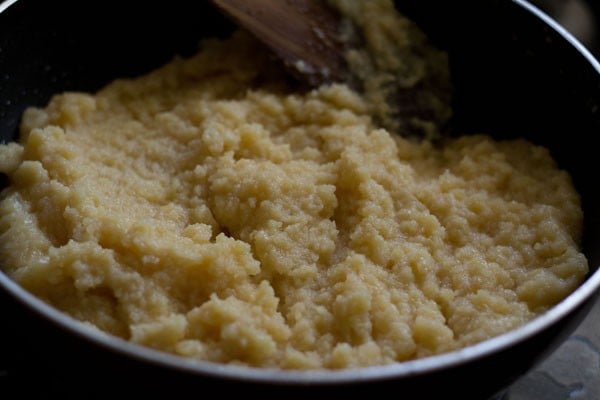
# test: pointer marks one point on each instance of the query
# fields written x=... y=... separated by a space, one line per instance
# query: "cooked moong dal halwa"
x=211 y=210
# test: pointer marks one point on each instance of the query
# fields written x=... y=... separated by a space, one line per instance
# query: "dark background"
x=580 y=17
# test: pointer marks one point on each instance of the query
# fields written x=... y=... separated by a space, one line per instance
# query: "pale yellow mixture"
x=205 y=210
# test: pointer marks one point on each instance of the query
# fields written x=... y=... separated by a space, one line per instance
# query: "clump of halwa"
x=206 y=210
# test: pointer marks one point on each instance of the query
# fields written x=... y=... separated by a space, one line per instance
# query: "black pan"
x=516 y=74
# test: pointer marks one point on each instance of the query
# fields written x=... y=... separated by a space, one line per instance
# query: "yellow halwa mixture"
x=208 y=210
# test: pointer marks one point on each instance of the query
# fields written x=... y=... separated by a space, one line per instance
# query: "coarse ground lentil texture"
x=211 y=210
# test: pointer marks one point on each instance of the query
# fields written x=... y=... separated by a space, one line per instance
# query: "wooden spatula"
x=304 y=34
x=403 y=79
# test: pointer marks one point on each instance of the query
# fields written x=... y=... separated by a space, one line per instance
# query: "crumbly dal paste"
x=205 y=210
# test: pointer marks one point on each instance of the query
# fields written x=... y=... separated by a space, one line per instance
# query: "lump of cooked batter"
x=207 y=210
